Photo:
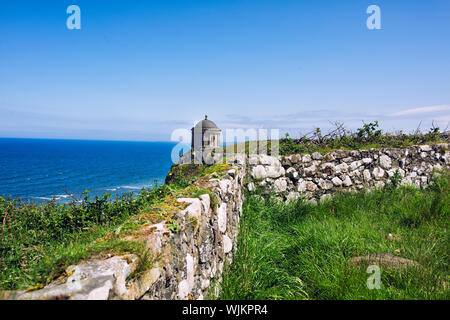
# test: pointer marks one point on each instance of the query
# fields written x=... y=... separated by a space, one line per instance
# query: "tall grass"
x=301 y=250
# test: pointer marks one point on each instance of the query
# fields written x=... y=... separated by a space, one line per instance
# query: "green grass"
x=182 y=176
x=38 y=242
x=36 y=266
x=301 y=250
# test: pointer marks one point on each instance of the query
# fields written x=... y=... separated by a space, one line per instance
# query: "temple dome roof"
x=206 y=124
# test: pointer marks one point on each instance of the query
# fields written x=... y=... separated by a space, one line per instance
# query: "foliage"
x=395 y=181
x=182 y=176
x=173 y=225
x=38 y=241
x=369 y=136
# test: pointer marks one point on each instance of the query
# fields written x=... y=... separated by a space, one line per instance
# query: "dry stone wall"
x=198 y=253
x=318 y=175
x=188 y=261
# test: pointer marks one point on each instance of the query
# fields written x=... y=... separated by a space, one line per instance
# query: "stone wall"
x=197 y=255
x=188 y=261
x=318 y=175
x=185 y=262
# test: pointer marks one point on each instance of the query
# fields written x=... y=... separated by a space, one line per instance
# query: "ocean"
x=40 y=169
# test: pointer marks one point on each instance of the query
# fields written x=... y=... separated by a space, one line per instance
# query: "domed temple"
x=205 y=135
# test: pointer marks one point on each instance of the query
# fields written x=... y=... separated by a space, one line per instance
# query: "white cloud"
x=422 y=110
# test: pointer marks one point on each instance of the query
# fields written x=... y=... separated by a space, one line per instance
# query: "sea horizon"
x=77 y=139
x=39 y=170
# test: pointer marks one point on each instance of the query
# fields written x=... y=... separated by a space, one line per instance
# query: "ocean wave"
x=55 y=197
x=131 y=187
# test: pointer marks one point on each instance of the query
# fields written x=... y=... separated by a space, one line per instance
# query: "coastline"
x=41 y=170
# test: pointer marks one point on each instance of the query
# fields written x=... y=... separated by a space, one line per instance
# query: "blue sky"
x=139 y=69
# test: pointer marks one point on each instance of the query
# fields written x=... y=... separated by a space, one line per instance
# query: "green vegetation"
x=369 y=136
x=38 y=242
x=185 y=175
x=301 y=250
x=366 y=137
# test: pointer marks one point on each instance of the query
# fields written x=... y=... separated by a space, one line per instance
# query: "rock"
x=336 y=181
x=269 y=160
x=251 y=187
x=316 y=156
x=222 y=217
x=301 y=186
x=306 y=158
x=286 y=161
x=384 y=260
x=378 y=173
x=183 y=290
x=329 y=157
x=311 y=186
x=205 y=284
x=425 y=148
x=226 y=186
x=292 y=173
x=347 y=181
x=355 y=165
x=295 y=158
x=280 y=185
x=206 y=203
x=328 y=169
x=367 y=160
x=342 y=168
x=325 y=184
x=340 y=154
x=423 y=181
x=275 y=171
x=310 y=171
x=385 y=162
x=253 y=159
x=227 y=244
x=355 y=153
x=194 y=209
x=258 y=172
x=92 y=280
x=190 y=271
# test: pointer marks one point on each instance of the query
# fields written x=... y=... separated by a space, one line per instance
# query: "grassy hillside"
x=301 y=250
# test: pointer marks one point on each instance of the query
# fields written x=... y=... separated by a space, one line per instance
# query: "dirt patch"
x=385 y=260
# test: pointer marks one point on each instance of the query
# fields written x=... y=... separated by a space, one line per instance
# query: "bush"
x=369 y=136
